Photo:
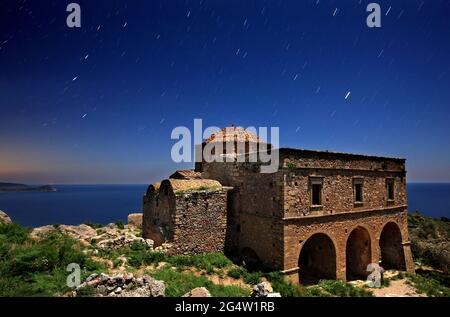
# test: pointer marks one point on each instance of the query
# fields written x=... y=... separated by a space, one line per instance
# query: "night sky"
x=97 y=104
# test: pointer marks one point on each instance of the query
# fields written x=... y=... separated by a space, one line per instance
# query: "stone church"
x=321 y=215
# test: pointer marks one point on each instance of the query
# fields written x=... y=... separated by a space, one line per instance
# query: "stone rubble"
x=264 y=289
x=121 y=285
x=108 y=237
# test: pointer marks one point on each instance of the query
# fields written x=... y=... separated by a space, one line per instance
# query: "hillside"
x=116 y=261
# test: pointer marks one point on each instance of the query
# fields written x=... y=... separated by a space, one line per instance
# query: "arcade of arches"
x=317 y=258
x=346 y=251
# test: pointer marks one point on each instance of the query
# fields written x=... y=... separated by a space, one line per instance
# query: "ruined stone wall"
x=338 y=228
x=200 y=222
x=159 y=214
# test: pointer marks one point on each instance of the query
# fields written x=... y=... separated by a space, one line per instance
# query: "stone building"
x=321 y=215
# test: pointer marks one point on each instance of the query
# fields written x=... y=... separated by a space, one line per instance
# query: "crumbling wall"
x=200 y=222
x=159 y=214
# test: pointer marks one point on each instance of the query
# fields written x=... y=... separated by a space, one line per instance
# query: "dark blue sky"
x=98 y=104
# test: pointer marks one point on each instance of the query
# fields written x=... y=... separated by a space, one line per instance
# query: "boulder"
x=4 y=218
x=135 y=220
x=198 y=292
x=262 y=290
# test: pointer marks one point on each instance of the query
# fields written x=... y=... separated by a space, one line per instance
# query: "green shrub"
x=93 y=225
x=291 y=165
x=252 y=278
x=207 y=261
x=120 y=224
x=236 y=272
x=13 y=233
x=139 y=258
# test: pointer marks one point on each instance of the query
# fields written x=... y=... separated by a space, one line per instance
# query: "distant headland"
x=13 y=187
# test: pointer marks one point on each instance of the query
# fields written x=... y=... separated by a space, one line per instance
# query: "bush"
x=252 y=278
x=93 y=225
x=139 y=258
x=120 y=224
x=236 y=272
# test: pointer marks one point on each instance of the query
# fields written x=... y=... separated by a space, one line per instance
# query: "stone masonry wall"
x=256 y=208
x=158 y=219
x=200 y=222
x=338 y=191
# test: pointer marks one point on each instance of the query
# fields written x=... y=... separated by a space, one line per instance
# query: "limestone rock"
x=123 y=241
x=4 y=218
x=135 y=220
x=122 y=285
x=83 y=233
x=198 y=292
x=108 y=237
x=262 y=290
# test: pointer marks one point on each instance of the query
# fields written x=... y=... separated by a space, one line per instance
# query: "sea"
x=103 y=204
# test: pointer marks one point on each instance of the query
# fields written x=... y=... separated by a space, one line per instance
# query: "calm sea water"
x=75 y=204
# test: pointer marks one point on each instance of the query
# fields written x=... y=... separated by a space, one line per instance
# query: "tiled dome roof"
x=234 y=134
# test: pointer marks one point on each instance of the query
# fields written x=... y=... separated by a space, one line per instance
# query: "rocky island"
x=13 y=187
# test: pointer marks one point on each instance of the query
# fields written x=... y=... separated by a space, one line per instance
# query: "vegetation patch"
x=431 y=283
x=38 y=268
x=180 y=283
x=430 y=241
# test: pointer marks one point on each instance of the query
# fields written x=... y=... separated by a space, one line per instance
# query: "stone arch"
x=358 y=253
x=317 y=259
x=391 y=247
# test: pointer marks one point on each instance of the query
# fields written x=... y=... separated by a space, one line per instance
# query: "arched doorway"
x=358 y=254
x=250 y=259
x=317 y=259
x=391 y=248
